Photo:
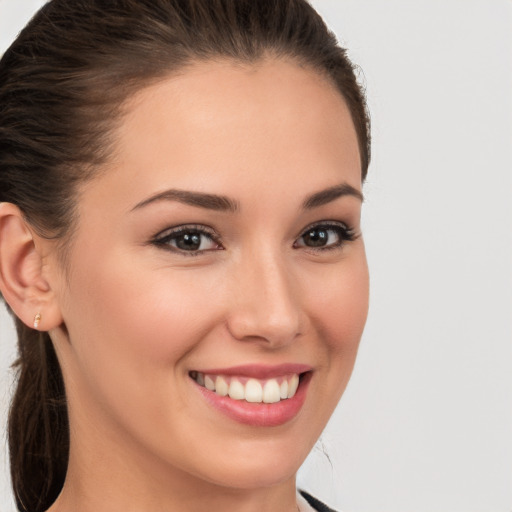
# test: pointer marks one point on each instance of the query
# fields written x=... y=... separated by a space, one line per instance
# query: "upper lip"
x=259 y=371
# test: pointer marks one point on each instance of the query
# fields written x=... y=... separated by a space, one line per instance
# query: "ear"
x=22 y=280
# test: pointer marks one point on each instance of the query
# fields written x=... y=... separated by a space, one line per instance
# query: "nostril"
x=263 y=333
x=259 y=324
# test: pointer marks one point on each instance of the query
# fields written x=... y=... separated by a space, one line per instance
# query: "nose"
x=265 y=305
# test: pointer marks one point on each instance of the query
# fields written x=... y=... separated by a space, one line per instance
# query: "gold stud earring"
x=37 y=319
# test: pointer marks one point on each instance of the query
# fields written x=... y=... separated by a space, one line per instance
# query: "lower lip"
x=259 y=414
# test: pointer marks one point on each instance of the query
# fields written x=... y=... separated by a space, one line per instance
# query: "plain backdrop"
x=426 y=422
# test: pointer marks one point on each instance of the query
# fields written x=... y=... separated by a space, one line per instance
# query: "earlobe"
x=22 y=281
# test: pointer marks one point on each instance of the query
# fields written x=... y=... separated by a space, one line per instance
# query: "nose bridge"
x=265 y=305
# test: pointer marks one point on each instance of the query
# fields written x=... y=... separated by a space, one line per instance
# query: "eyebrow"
x=330 y=194
x=200 y=199
x=225 y=204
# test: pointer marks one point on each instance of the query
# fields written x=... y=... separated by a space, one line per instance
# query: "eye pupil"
x=316 y=237
x=189 y=241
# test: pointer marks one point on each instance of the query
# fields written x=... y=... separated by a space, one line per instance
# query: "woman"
x=180 y=245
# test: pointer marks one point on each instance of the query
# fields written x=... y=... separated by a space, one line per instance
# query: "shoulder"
x=316 y=504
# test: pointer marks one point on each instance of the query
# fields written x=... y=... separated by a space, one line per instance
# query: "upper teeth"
x=267 y=391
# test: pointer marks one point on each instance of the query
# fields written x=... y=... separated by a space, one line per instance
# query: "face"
x=217 y=263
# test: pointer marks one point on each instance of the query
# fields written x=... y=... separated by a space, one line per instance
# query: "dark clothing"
x=316 y=504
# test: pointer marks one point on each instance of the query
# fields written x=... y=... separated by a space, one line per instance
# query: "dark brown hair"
x=62 y=86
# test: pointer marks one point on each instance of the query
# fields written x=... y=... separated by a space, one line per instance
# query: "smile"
x=256 y=395
x=252 y=390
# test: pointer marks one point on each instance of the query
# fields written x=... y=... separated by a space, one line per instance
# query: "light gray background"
x=426 y=423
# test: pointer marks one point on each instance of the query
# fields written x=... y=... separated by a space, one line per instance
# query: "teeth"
x=209 y=383
x=268 y=391
x=293 y=385
x=221 y=386
x=253 y=391
x=283 y=389
x=271 y=392
x=236 y=390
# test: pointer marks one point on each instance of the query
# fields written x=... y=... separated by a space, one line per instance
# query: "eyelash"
x=344 y=233
x=163 y=239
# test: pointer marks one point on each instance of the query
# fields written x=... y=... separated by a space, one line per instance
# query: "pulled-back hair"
x=63 y=83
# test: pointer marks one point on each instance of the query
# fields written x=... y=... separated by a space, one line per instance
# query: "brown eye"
x=325 y=236
x=187 y=239
x=316 y=237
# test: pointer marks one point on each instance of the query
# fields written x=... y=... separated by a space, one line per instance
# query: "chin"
x=265 y=473
x=257 y=463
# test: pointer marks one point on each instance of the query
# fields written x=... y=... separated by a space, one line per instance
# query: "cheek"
x=131 y=325
x=337 y=308
x=340 y=306
x=129 y=333
x=339 y=312
x=151 y=312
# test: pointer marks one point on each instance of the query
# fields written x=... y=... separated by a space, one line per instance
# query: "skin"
x=136 y=318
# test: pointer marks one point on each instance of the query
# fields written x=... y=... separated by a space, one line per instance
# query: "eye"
x=325 y=236
x=190 y=239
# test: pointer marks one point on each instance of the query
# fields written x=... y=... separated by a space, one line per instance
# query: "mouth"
x=253 y=395
x=268 y=391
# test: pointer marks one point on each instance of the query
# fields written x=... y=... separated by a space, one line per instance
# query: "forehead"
x=218 y=125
